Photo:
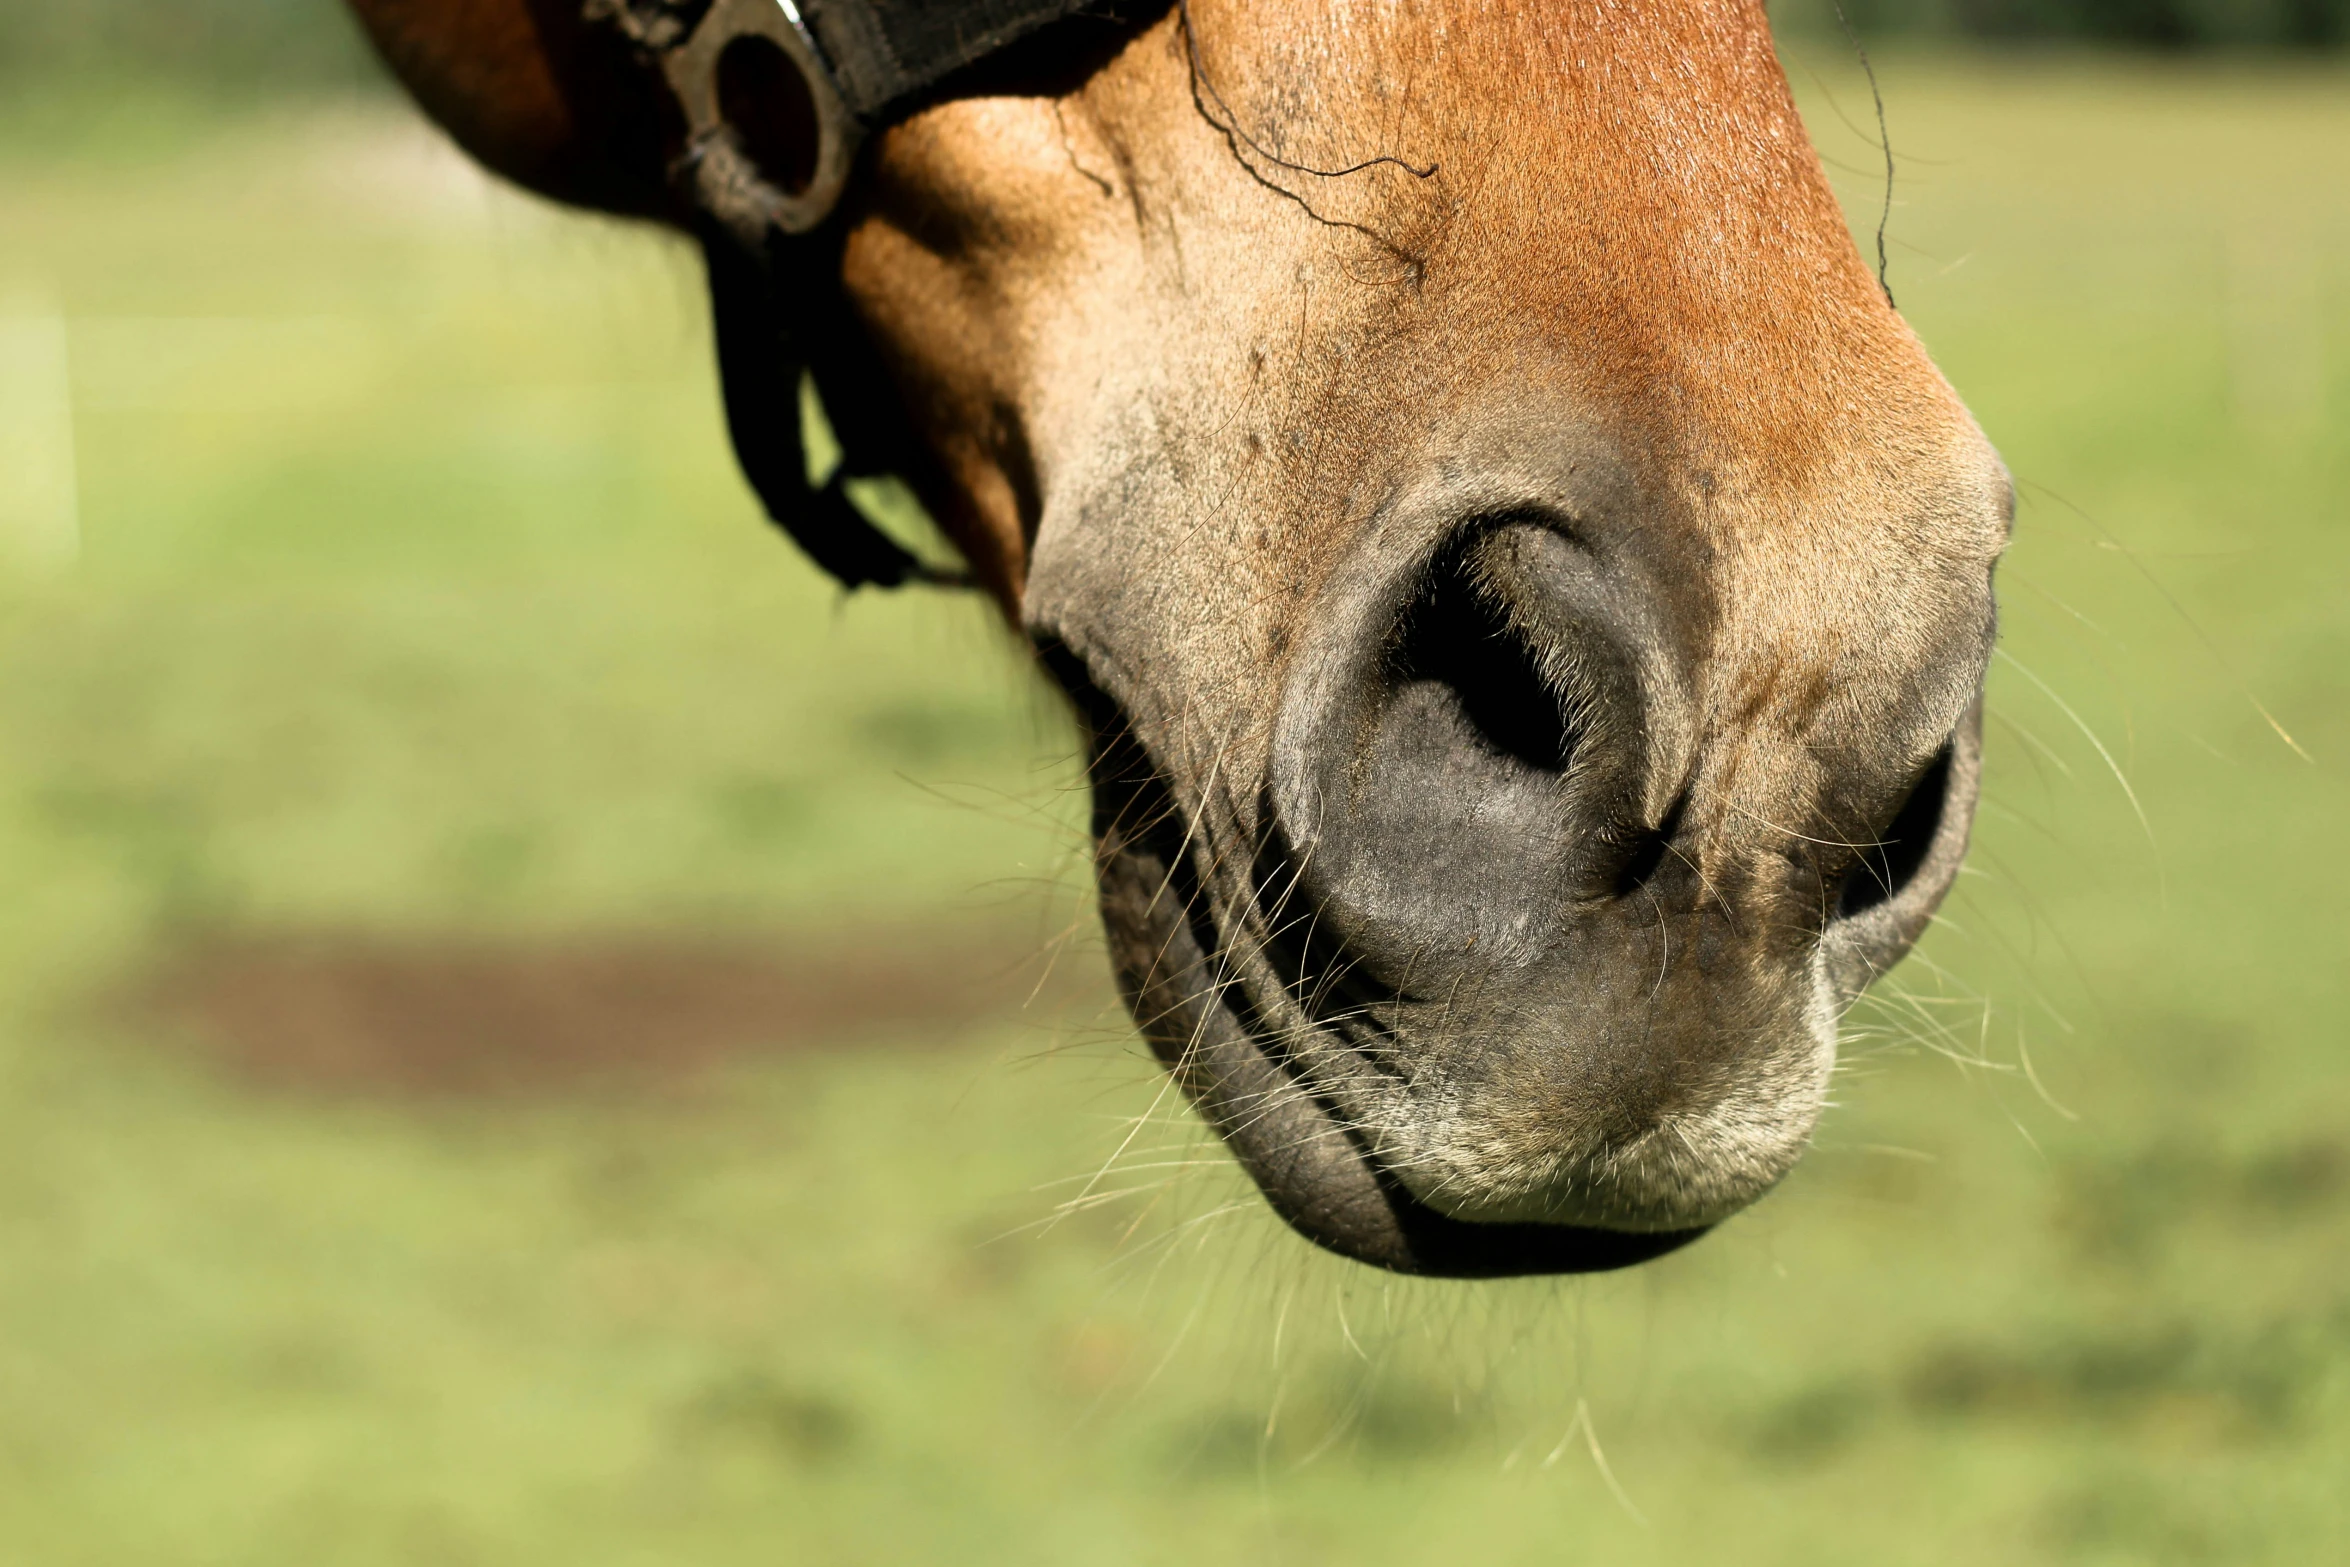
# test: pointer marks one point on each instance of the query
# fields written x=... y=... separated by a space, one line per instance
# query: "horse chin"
x=1315 y=1169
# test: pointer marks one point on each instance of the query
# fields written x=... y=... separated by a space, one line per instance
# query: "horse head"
x=1526 y=590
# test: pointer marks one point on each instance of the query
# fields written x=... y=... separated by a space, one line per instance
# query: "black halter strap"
x=888 y=55
x=841 y=69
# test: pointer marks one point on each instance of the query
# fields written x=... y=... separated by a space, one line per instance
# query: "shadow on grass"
x=449 y=1016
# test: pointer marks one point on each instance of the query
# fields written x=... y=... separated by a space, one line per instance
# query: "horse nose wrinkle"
x=1650 y=849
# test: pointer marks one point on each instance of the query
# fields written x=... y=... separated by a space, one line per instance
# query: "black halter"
x=777 y=98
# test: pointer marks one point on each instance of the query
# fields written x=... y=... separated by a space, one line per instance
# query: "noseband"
x=777 y=98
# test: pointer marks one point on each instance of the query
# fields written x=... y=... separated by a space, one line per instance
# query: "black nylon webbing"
x=886 y=54
x=760 y=360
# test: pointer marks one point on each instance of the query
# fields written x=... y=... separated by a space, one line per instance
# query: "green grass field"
x=415 y=601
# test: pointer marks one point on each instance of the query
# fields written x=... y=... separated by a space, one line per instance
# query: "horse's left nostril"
x=1464 y=752
x=1890 y=863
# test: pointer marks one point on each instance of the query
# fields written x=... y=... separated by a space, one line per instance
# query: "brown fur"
x=1180 y=396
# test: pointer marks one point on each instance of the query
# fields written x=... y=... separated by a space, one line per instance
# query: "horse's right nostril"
x=1891 y=863
x=1458 y=637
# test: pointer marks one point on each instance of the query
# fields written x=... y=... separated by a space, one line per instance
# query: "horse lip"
x=1310 y=1164
x=1372 y=1218
x=1312 y=1167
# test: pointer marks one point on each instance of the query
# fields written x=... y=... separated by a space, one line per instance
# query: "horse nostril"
x=1465 y=750
x=1891 y=863
x=1458 y=635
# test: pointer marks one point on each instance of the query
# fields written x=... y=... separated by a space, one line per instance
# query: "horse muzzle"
x=1512 y=964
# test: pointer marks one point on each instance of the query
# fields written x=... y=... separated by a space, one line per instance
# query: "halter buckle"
x=770 y=140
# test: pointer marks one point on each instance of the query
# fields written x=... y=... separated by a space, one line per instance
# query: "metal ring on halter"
x=734 y=44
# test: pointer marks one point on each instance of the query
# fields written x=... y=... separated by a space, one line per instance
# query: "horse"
x=1525 y=590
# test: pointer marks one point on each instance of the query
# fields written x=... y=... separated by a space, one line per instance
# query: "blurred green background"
x=390 y=657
